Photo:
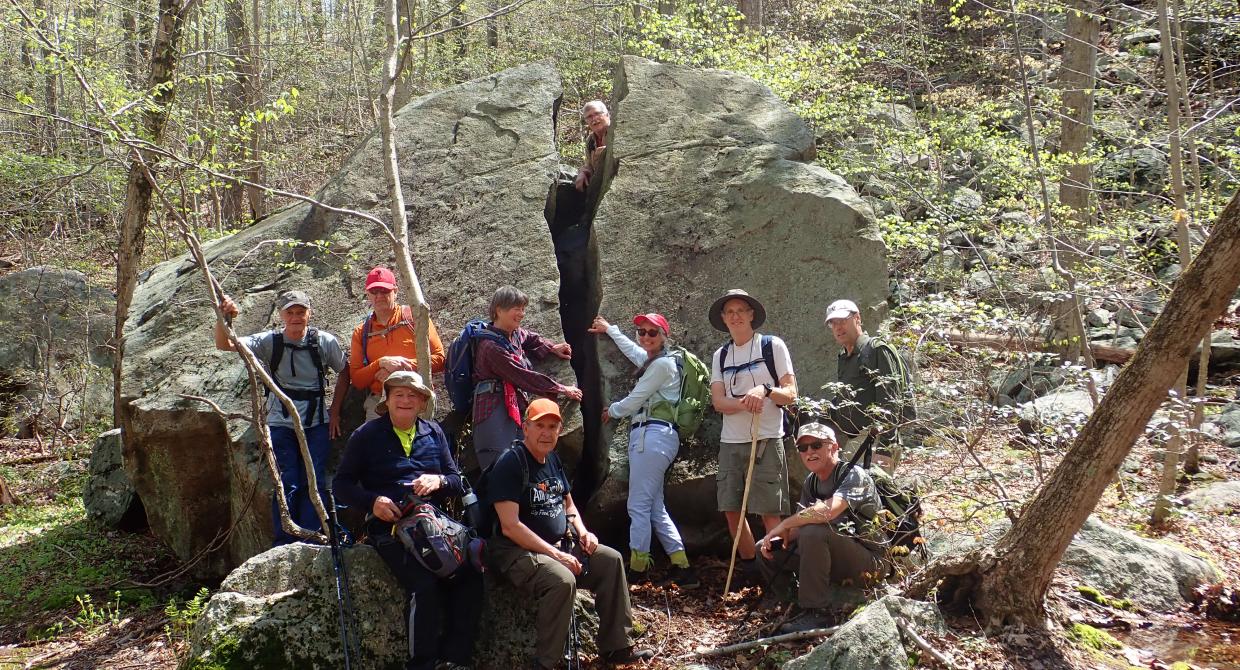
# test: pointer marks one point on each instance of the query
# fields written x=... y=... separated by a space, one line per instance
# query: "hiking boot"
x=625 y=656
x=808 y=619
x=685 y=578
x=637 y=577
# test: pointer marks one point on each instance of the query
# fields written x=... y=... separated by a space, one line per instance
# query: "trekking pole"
x=572 y=645
x=344 y=598
x=740 y=523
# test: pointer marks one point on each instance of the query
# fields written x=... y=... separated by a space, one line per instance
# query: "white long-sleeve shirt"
x=661 y=380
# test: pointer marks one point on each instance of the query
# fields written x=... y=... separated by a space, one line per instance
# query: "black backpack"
x=459 y=373
x=900 y=516
x=440 y=543
x=278 y=345
x=488 y=525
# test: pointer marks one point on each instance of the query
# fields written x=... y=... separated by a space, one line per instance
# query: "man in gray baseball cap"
x=829 y=539
x=297 y=357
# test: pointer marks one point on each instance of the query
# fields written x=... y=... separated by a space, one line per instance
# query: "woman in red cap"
x=653 y=443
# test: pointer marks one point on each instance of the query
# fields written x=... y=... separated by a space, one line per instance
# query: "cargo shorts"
x=769 y=492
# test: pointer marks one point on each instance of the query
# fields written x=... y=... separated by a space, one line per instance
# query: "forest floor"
x=76 y=595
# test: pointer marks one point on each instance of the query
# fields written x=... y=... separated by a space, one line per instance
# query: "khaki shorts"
x=769 y=492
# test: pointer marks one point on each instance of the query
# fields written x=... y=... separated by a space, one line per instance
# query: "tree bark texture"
x=1014 y=587
x=132 y=232
x=396 y=197
x=1080 y=60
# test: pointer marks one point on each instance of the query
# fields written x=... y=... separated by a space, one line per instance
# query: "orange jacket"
x=398 y=341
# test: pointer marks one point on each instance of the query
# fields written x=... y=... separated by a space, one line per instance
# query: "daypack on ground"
x=459 y=375
x=900 y=517
x=440 y=543
x=687 y=413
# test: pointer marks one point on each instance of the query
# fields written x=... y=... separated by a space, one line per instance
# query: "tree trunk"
x=1080 y=60
x=242 y=98
x=400 y=222
x=1166 y=487
x=1009 y=582
x=132 y=232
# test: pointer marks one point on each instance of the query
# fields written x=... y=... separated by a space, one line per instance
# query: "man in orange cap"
x=534 y=505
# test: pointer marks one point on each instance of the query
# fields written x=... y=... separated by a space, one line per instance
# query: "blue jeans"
x=296 y=488
x=651 y=452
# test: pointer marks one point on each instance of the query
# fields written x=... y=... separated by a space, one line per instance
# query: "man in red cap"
x=384 y=342
x=545 y=549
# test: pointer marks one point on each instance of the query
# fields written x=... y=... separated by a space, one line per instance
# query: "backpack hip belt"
x=652 y=422
x=312 y=346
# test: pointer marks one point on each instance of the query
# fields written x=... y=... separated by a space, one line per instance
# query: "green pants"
x=554 y=589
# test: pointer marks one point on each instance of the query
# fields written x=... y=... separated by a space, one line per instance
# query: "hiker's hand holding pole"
x=567 y=560
x=385 y=510
x=427 y=484
x=754 y=399
x=563 y=350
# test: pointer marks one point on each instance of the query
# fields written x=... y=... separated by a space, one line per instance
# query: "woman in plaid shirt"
x=504 y=375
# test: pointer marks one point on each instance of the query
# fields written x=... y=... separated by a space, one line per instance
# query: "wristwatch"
x=768 y=390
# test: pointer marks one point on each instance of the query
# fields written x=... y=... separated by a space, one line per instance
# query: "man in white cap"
x=297 y=357
x=830 y=536
x=751 y=379
x=871 y=371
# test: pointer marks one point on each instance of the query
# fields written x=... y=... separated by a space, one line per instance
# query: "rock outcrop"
x=476 y=162
x=1156 y=575
x=708 y=186
x=55 y=330
x=872 y=640
x=109 y=496
x=279 y=610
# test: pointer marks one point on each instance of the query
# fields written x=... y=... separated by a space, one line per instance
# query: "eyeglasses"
x=806 y=446
x=648 y=332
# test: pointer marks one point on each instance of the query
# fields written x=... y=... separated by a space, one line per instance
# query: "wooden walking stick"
x=740 y=523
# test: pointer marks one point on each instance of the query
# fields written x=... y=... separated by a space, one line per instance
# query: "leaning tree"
x=1008 y=582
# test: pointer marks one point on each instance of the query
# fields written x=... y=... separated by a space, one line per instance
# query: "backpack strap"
x=768 y=357
x=406 y=320
x=278 y=345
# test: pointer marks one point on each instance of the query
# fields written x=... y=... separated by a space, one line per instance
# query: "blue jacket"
x=375 y=464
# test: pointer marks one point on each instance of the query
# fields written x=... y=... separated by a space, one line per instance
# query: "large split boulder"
x=55 y=332
x=709 y=185
x=476 y=160
x=280 y=610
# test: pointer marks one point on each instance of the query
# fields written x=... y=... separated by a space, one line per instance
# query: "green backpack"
x=694 y=394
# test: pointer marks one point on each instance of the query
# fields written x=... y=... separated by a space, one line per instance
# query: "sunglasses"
x=379 y=291
x=806 y=446
x=648 y=332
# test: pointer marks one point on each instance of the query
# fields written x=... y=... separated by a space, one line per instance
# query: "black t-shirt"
x=541 y=501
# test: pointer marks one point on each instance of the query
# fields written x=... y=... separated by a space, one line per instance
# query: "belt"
x=653 y=422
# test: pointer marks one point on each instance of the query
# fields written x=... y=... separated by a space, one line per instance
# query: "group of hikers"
x=537 y=537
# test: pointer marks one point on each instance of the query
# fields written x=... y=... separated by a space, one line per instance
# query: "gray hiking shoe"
x=807 y=620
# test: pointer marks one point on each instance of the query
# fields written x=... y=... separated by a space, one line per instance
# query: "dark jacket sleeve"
x=346 y=485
